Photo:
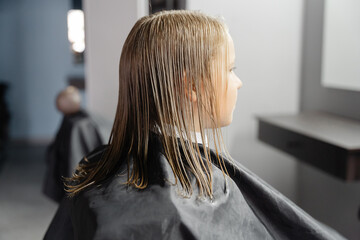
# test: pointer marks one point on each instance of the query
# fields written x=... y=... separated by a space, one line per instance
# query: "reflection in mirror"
x=341 y=45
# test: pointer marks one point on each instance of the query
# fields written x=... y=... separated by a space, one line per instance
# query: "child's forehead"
x=226 y=55
x=231 y=48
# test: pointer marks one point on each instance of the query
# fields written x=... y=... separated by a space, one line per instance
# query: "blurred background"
x=292 y=57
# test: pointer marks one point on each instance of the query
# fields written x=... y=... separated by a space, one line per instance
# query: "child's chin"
x=227 y=122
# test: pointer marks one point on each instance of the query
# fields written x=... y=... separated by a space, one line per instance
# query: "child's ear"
x=192 y=94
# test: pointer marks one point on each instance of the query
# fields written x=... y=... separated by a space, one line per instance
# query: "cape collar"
x=195 y=136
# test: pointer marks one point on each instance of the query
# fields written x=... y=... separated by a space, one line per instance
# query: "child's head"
x=175 y=75
x=68 y=100
x=175 y=69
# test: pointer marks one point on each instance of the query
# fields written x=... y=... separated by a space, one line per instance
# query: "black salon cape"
x=77 y=136
x=244 y=207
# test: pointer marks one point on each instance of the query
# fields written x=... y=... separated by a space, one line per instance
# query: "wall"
x=267 y=39
x=36 y=60
x=107 y=24
x=326 y=198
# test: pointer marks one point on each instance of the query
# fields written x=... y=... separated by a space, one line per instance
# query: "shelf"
x=325 y=141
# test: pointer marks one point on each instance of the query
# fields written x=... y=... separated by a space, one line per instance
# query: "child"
x=158 y=178
x=78 y=134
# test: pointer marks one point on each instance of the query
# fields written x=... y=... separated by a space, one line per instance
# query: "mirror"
x=341 y=45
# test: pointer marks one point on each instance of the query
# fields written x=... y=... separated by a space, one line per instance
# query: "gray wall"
x=107 y=26
x=36 y=60
x=324 y=197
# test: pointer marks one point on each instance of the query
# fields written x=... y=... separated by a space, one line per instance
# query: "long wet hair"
x=166 y=56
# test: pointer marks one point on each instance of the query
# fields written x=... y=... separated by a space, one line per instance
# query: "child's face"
x=227 y=98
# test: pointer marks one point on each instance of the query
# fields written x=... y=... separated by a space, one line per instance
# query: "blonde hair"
x=165 y=56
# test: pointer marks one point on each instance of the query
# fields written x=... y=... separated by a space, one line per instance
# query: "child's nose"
x=239 y=83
